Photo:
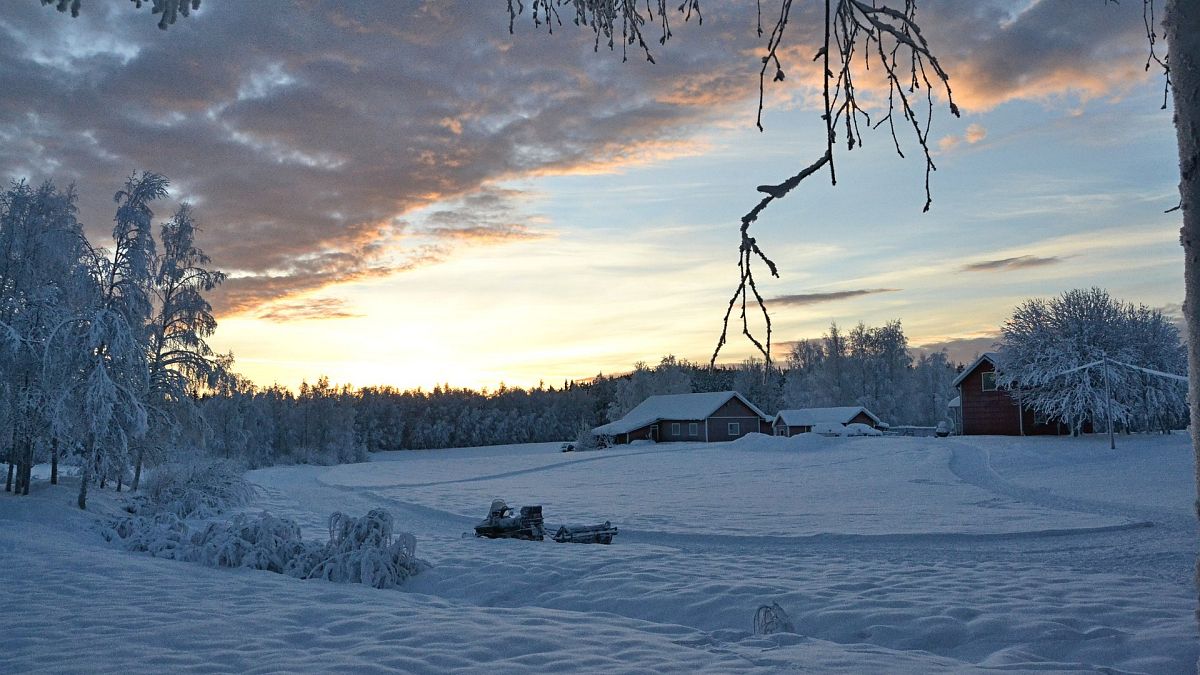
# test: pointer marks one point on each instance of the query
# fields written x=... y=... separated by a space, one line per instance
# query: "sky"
x=405 y=193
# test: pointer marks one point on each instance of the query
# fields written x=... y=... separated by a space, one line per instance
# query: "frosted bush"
x=586 y=440
x=262 y=542
x=163 y=535
x=364 y=550
x=199 y=489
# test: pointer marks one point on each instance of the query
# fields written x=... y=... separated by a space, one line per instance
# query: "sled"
x=586 y=534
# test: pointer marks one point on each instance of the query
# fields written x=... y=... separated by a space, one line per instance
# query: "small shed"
x=802 y=420
x=707 y=417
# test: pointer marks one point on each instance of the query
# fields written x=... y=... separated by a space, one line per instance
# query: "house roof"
x=991 y=357
x=807 y=417
x=684 y=407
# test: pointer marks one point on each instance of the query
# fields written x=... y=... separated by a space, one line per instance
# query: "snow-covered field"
x=889 y=554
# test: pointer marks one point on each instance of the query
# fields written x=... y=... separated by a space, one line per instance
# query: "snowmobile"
x=528 y=524
x=499 y=524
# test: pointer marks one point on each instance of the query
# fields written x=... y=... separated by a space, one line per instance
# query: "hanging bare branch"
x=884 y=36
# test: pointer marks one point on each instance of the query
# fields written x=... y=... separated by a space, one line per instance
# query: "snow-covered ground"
x=890 y=555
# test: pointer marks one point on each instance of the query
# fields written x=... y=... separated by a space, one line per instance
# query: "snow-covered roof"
x=684 y=407
x=955 y=402
x=991 y=357
x=807 y=417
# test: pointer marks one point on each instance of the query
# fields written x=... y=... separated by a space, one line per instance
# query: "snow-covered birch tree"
x=98 y=360
x=179 y=359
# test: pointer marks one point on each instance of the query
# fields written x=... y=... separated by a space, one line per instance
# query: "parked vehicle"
x=500 y=525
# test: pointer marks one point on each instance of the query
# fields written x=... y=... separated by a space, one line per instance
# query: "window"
x=989 y=381
x=675 y=428
x=735 y=429
x=693 y=429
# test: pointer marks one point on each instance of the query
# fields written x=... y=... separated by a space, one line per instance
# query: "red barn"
x=988 y=409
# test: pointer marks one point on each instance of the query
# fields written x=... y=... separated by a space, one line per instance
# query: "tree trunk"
x=8 y=482
x=119 y=477
x=54 y=461
x=1182 y=28
x=84 y=479
x=28 y=474
x=137 y=471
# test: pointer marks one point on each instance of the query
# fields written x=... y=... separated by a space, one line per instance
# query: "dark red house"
x=985 y=408
x=705 y=418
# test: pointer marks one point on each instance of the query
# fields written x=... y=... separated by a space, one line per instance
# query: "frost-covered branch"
x=881 y=35
x=170 y=10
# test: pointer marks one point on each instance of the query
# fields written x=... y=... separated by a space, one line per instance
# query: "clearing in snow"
x=883 y=554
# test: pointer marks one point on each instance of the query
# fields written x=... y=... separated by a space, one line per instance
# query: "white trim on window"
x=735 y=429
x=984 y=378
x=693 y=429
x=675 y=430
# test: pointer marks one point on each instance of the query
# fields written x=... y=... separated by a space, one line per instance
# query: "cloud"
x=305 y=132
x=998 y=51
x=974 y=133
x=1006 y=264
x=492 y=215
x=306 y=310
x=961 y=350
x=802 y=299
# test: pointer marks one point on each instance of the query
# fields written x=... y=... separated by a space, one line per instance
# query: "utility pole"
x=1112 y=441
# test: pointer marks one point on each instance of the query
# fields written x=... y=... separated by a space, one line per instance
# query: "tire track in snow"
x=973 y=465
x=522 y=472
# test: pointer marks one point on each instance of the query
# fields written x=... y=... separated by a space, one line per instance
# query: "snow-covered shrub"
x=162 y=535
x=199 y=489
x=262 y=542
x=364 y=550
x=586 y=440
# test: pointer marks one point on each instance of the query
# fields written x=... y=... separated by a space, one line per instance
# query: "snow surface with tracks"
x=890 y=555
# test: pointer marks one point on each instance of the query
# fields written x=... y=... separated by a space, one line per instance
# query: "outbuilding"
x=707 y=417
x=802 y=420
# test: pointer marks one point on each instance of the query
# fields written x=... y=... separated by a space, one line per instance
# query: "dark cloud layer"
x=1007 y=264
x=311 y=134
x=801 y=299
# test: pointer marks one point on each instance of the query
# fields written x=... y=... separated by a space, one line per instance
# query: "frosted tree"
x=42 y=281
x=102 y=379
x=762 y=385
x=932 y=389
x=669 y=377
x=1046 y=345
x=179 y=358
